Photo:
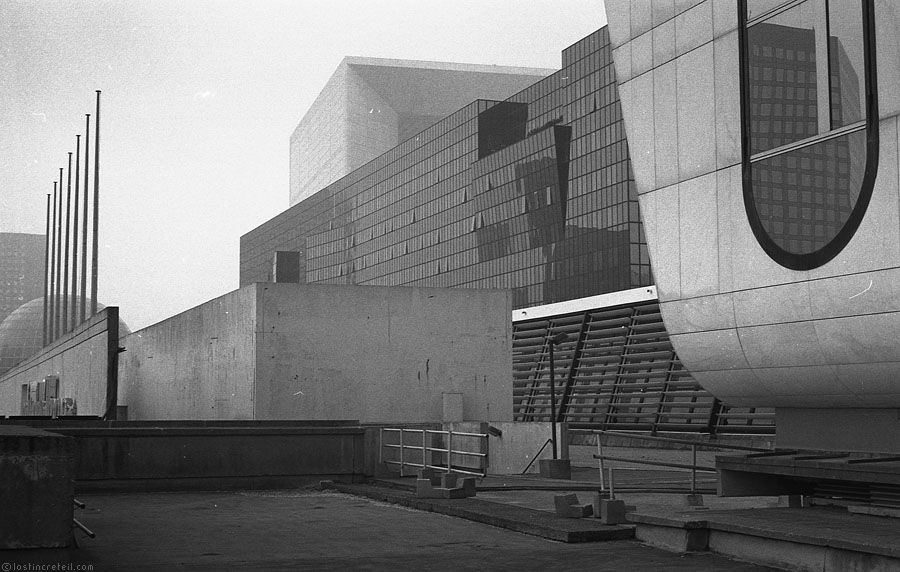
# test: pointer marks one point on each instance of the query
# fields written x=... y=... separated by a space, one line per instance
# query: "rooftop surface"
x=325 y=531
x=509 y=525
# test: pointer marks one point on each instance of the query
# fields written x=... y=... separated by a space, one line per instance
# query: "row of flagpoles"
x=64 y=308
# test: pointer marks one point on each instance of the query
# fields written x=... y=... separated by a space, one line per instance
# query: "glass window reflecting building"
x=534 y=194
x=812 y=153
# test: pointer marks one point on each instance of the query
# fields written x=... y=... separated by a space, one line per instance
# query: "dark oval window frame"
x=821 y=256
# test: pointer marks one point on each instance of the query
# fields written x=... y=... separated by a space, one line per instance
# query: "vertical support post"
x=401 y=451
x=84 y=227
x=381 y=446
x=74 y=317
x=553 y=398
x=96 y=206
x=450 y=450
x=425 y=462
x=46 y=268
x=693 y=468
x=612 y=485
x=600 y=459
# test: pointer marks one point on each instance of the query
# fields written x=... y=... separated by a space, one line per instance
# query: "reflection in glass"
x=845 y=54
x=783 y=78
x=804 y=197
x=759 y=7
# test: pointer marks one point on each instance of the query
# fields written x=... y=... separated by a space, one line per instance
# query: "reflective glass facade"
x=534 y=194
x=811 y=160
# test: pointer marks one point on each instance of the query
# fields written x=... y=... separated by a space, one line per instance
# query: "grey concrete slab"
x=325 y=531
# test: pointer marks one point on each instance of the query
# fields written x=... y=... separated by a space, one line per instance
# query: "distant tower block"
x=286 y=266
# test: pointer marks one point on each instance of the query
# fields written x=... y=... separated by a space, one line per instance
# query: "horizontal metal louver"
x=617 y=370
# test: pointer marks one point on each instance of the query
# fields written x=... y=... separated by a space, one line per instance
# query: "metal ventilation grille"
x=617 y=370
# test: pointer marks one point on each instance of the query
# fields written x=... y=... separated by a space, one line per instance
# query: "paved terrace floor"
x=315 y=530
x=326 y=531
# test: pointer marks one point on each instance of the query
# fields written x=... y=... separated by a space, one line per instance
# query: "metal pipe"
x=450 y=451
x=96 y=204
x=693 y=468
x=401 y=451
x=75 y=233
x=600 y=461
x=51 y=335
x=84 y=231
x=59 y=256
x=552 y=399
x=65 y=290
x=46 y=268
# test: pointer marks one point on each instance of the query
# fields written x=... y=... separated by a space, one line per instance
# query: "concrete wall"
x=289 y=351
x=382 y=355
x=84 y=361
x=196 y=365
x=751 y=331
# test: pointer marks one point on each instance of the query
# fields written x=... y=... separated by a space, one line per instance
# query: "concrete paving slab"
x=325 y=531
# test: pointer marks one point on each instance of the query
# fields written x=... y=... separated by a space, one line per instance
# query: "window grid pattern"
x=410 y=217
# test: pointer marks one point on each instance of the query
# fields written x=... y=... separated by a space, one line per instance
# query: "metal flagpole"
x=84 y=228
x=51 y=335
x=75 y=233
x=68 y=238
x=46 y=266
x=56 y=300
x=96 y=209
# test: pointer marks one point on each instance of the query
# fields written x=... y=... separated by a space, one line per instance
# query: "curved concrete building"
x=765 y=153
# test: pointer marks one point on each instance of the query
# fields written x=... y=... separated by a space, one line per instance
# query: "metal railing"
x=693 y=467
x=428 y=454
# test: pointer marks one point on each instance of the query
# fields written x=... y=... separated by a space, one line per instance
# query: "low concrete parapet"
x=213 y=457
x=36 y=492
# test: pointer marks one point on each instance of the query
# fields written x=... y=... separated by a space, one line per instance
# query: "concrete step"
x=511 y=517
x=803 y=539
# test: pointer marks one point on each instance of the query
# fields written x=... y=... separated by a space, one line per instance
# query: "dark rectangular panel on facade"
x=501 y=126
x=286 y=266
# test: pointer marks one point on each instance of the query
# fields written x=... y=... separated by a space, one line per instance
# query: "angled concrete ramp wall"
x=84 y=361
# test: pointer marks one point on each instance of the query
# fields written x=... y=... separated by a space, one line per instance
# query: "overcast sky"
x=199 y=101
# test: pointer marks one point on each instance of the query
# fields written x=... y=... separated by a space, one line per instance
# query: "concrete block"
x=36 y=472
x=693 y=500
x=567 y=507
x=429 y=474
x=468 y=485
x=424 y=490
x=457 y=493
x=612 y=511
x=796 y=501
x=448 y=481
x=555 y=469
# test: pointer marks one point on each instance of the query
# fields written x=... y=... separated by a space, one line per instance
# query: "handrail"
x=693 y=467
x=425 y=448
x=676 y=440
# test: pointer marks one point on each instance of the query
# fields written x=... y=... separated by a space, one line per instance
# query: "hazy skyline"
x=199 y=101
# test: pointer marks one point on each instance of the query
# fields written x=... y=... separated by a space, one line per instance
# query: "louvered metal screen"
x=617 y=370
